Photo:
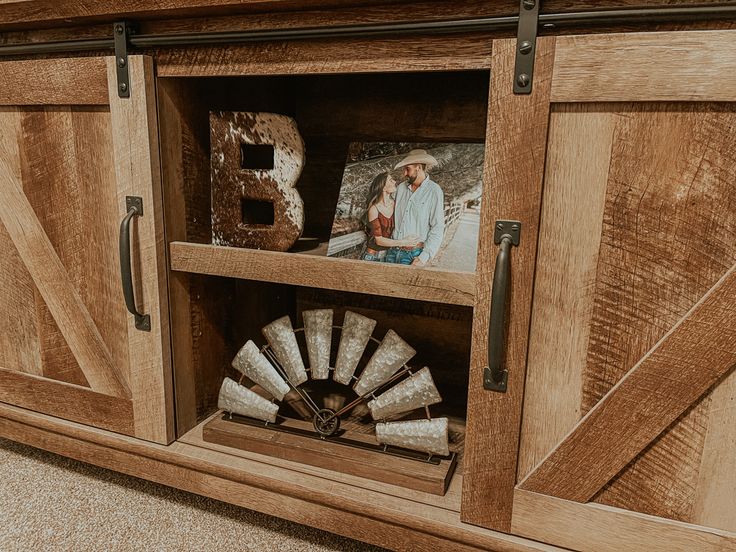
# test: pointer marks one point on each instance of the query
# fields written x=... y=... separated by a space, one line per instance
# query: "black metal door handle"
x=506 y=234
x=134 y=205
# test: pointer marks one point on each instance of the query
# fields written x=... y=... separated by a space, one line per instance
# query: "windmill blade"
x=241 y=400
x=280 y=335
x=391 y=355
x=429 y=436
x=356 y=331
x=414 y=392
x=251 y=363
x=318 y=333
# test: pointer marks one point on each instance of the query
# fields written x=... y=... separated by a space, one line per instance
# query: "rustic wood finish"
x=692 y=357
x=668 y=66
x=138 y=173
x=665 y=169
x=512 y=190
x=598 y=528
x=576 y=177
x=374 y=465
x=53 y=82
x=65 y=176
x=427 y=284
x=48 y=272
x=67 y=401
x=441 y=53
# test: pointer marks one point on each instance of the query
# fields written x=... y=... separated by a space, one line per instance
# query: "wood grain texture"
x=371 y=464
x=77 y=81
x=667 y=66
x=177 y=141
x=137 y=171
x=693 y=356
x=714 y=500
x=515 y=156
x=48 y=272
x=375 y=517
x=63 y=187
x=667 y=238
x=440 y=53
x=67 y=401
x=20 y=347
x=428 y=284
x=576 y=177
x=597 y=528
x=50 y=13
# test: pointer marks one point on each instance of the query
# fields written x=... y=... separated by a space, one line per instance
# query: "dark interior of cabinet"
x=212 y=317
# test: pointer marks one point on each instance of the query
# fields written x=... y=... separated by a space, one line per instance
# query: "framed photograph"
x=410 y=203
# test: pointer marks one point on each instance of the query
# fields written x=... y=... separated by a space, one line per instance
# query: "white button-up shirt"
x=421 y=213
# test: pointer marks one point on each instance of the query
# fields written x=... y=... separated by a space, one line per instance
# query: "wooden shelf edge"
x=426 y=284
x=335 y=507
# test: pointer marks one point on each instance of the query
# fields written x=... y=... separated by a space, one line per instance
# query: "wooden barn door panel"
x=630 y=397
x=68 y=158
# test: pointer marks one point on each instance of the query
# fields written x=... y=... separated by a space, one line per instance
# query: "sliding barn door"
x=621 y=348
x=71 y=154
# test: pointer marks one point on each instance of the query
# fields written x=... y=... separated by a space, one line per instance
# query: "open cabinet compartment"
x=223 y=296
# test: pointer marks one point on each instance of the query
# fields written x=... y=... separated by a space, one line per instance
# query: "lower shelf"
x=334 y=455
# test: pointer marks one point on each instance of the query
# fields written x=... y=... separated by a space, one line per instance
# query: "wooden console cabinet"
x=617 y=431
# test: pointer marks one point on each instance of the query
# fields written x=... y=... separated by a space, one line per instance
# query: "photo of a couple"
x=392 y=210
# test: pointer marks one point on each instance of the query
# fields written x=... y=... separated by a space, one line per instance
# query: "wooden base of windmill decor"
x=368 y=414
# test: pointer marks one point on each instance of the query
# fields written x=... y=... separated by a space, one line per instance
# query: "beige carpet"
x=50 y=503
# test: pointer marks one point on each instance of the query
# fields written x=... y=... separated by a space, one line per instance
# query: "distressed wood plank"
x=49 y=273
x=686 y=362
x=73 y=81
x=638 y=67
x=666 y=239
x=432 y=53
x=576 y=177
x=428 y=284
x=714 y=501
x=67 y=401
x=515 y=156
x=598 y=528
x=20 y=347
x=137 y=170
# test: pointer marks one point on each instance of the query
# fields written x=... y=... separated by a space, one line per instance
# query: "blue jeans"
x=403 y=256
x=378 y=256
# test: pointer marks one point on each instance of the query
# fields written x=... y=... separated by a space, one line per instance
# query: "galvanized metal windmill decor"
x=385 y=384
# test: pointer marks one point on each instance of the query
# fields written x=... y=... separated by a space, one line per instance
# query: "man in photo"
x=419 y=211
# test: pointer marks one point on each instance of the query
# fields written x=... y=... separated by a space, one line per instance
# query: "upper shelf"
x=426 y=284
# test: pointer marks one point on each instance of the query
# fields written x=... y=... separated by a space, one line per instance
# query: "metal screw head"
x=119 y=29
x=499 y=226
x=121 y=62
x=529 y=4
x=525 y=47
x=523 y=80
x=123 y=87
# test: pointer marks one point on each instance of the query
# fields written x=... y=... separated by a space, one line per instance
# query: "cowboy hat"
x=417 y=156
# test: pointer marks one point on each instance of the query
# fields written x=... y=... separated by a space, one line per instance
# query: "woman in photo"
x=380 y=215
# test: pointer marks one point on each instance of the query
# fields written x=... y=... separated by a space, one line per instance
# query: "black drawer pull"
x=506 y=234
x=134 y=205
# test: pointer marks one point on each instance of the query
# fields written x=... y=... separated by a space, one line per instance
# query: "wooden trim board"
x=66 y=400
x=428 y=284
x=62 y=81
x=412 y=474
x=597 y=528
x=641 y=67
